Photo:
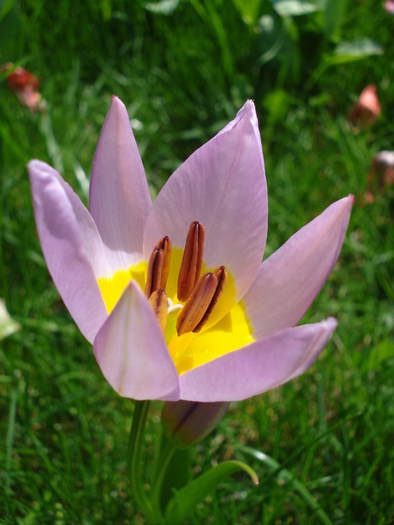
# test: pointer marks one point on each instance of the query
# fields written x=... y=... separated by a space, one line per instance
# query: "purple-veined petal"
x=131 y=351
x=290 y=279
x=119 y=199
x=223 y=186
x=258 y=367
x=71 y=245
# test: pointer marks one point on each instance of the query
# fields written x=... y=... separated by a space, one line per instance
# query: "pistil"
x=189 y=273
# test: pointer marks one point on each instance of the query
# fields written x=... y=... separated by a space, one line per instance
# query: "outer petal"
x=290 y=279
x=131 y=351
x=223 y=186
x=119 y=194
x=258 y=367
x=71 y=244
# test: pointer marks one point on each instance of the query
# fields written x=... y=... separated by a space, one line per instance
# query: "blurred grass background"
x=183 y=69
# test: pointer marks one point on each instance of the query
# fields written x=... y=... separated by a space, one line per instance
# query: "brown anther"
x=201 y=302
x=165 y=245
x=158 y=301
x=155 y=270
x=189 y=274
x=197 y=304
x=221 y=275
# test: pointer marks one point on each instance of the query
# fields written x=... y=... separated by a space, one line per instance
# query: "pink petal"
x=259 y=366
x=223 y=186
x=290 y=279
x=71 y=245
x=119 y=193
x=131 y=351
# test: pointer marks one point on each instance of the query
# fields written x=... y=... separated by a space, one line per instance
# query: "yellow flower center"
x=227 y=327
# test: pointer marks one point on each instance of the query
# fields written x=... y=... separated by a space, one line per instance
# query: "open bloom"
x=173 y=295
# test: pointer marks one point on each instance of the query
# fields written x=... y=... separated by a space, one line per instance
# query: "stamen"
x=201 y=302
x=155 y=269
x=189 y=273
x=165 y=245
x=197 y=304
x=158 y=301
x=221 y=275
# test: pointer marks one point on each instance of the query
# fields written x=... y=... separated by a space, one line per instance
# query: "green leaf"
x=382 y=351
x=285 y=476
x=165 y=7
x=334 y=14
x=277 y=104
x=5 y=8
x=294 y=8
x=7 y=325
x=344 y=53
x=184 y=501
x=249 y=10
x=356 y=50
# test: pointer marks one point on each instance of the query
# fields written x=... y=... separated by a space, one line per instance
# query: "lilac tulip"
x=224 y=338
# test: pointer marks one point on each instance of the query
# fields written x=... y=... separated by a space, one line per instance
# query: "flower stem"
x=133 y=462
x=160 y=472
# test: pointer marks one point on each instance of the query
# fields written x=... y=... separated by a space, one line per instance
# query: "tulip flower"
x=367 y=108
x=174 y=295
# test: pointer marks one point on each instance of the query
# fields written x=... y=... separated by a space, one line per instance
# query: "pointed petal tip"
x=248 y=111
x=32 y=163
x=119 y=198
x=116 y=102
x=330 y=324
x=349 y=199
x=118 y=109
x=40 y=171
x=249 y=105
x=37 y=165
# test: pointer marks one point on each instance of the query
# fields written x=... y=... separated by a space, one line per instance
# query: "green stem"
x=162 y=465
x=133 y=461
